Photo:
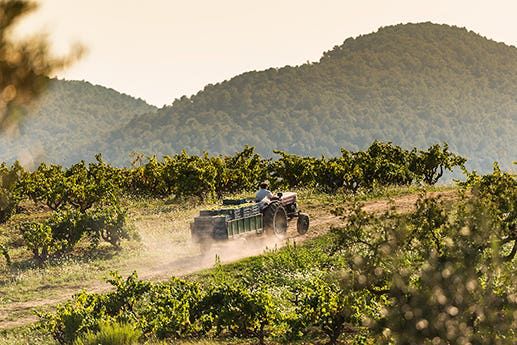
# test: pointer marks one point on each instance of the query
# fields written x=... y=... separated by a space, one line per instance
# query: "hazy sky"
x=159 y=50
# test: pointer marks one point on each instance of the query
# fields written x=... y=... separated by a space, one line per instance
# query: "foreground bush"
x=10 y=194
x=111 y=334
x=64 y=229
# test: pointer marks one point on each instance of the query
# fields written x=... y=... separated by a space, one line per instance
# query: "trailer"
x=240 y=217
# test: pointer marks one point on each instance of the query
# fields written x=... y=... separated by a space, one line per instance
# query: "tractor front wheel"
x=302 y=225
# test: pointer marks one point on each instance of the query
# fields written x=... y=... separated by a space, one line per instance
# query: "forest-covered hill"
x=67 y=120
x=412 y=84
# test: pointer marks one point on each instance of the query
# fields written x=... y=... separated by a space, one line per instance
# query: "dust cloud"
x=168 y=257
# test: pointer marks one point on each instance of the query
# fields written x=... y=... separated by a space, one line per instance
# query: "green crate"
x=244 y=225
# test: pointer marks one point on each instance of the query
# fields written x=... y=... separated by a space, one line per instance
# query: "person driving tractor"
x=263 y=192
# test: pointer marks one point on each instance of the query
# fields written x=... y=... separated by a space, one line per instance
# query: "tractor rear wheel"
x=302 y=225
x=275 y=219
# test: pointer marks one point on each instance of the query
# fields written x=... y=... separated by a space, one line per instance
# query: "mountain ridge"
x=406 y=83
x=70 y=115
x=413 y=84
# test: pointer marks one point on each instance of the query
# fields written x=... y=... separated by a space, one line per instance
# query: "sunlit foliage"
x=444 y=273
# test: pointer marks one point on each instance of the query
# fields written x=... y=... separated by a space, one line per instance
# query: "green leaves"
x=184 y=176
x=173 y=309
x=324 y=303
x=239 y=311
x=496 y=193
x=111 y=333
x=10 y=194
x=382 y=164
x=80 y=186
x=430 y=165
x=60 y=233
x=292 y=171
x=446 y=270
x=38 y=238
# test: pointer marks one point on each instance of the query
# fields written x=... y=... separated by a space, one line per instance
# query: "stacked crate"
x=210 y=227
x=251 y=210
x=230 y=212
x=233 y=213
x=226 y=222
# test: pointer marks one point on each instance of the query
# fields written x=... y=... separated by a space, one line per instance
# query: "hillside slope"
x=67 y=120
x=413 y=84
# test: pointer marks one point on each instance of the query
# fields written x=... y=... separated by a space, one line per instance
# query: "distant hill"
x=67 y=120
x=413 y=84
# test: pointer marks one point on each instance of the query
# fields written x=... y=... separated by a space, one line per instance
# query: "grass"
x=26 y=335
x=31 y=336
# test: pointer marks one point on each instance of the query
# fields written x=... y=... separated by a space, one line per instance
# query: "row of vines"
x=204 y=176
x=84 y=205
x=85 y=198
x=444 y=273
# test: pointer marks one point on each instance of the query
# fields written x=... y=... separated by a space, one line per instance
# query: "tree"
x=24 y=64
x=9 y=191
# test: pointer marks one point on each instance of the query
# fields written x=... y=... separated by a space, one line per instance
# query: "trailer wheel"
x=275 y=219
x=302 y=225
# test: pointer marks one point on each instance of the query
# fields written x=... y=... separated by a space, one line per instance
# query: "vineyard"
x=442 y=273
x=85 y=199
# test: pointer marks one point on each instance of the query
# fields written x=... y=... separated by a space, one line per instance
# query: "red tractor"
x=277 y=213
x=241 y=217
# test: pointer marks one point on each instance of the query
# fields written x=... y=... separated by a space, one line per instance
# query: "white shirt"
x=263 y=193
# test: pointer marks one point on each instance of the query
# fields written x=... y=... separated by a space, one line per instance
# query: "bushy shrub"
x=382 y=164
x=111 y=334
x=80 y=186
x=10 y=195
x=64 y=229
